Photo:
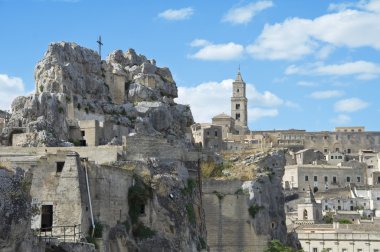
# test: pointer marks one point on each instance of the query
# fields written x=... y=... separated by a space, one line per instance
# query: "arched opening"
x=315 y=189
x=305 y=217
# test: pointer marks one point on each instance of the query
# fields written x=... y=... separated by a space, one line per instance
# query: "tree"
x=277 y=246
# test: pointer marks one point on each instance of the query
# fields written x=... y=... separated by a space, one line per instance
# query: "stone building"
x=226 y=122
x=323 y=177
x=339 y=237
x=239 y=102
x=309 y=212
x=209 y=136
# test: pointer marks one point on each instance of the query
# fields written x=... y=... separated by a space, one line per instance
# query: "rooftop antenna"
x=100 y=46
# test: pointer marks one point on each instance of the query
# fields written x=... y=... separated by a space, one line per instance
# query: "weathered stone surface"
x=73 y=81
x=15 y=212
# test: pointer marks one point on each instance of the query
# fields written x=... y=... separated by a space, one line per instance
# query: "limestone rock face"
x=15 y=212
x=74 y=84
x=71 y=69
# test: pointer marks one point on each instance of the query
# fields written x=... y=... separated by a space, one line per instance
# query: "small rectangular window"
x=348 y=179
x=332 y=157
x=315 y=178
x=334 y=179
x=337 y=149
x=306 y=178
x=325 y=150
x=358 y=179
x=348 y=151
x=237 y=106
x=326 y=178
x=60 y=166
x=237 y=116
x=315 y=249
x=83 y=133
x=216 y=133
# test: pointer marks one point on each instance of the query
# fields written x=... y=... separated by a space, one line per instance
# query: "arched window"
x=305 y=217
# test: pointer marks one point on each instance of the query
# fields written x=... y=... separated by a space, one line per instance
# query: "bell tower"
x=239 y=103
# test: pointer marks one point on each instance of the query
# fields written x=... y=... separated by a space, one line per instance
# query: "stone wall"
x=229 y=226
x=100 y=154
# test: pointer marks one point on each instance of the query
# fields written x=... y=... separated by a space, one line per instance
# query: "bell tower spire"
x=239 y=103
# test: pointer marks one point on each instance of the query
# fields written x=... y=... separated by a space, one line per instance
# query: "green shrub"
x=254 y=209
x=345 y=221
x=190 y=213
x=191 y=184
x=218 y=194
x=60 y=110
x=98 y=232
x=277 y=246
x=68 y=99
x=138 y=196
x=142 y=232
x=41 y=88
x=92 y=240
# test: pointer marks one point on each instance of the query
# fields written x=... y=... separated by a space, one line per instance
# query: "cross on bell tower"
x=100 y=46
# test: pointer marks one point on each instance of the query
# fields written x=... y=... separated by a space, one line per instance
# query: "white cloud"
x=362 y=70
x=10 y=88
x=178 y=14
x=350 y=105
x=326 y=94
x=257 y=113
x=212 y=98
x=199 y=43
x=341 y=119
x=306 y=83
x=296 y=38
x=244 y=14
x=210 y=51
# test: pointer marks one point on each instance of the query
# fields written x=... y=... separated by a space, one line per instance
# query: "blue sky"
x=309 y=65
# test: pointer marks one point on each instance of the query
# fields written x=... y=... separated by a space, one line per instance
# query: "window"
x=352 y=130
x=237 y=106
x=216 y=133
x=344 y=250
x=334 y=180
x=315 y=178
x=378 y=198
x=378 y=180
x=60 y=166
x=340 y=157
x=348 y=151
x=315 y=249
x=306 y=178
x=237 y=91
x=375 y=250
x=326 y=178
x=348 y=179
x=337 y=149
x=325 y=137
x=326 y=207
x=337 y=137
x=83 y=133
x=339 y=208
x=360 y=250
x=237 y=116
x=358 y=179
x=352 y=208
x=207 y=133
x=325 y=150
x=332 y=157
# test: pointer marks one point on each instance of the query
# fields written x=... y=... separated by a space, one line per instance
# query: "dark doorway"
x=82 y=143
x=60 y=166
x=10 y=139
x=46 y=217
x=315 y=189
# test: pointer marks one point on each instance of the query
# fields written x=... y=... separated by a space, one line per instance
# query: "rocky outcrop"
x=245 y=215
x=73 y=84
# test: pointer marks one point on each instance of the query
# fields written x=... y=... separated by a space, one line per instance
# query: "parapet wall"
x=99 y=154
